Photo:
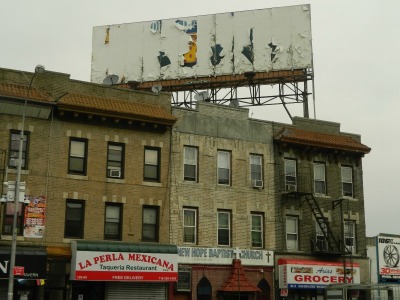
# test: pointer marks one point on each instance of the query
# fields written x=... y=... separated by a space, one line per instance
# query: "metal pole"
x=38 y=69
x=16 y=202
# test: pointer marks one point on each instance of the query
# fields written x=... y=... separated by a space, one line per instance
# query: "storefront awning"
x=125 y=247
x=311 y=274
x=237 y=281
x=117 y=261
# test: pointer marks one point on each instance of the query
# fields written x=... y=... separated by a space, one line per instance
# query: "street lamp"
x=38 y=70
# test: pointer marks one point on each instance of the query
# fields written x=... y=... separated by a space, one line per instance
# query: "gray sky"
x=356 y=66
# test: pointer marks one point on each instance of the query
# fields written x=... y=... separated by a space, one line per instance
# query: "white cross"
x=237 y=253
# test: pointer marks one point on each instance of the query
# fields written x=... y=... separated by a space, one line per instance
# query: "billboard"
x=388 y=257
x=232 y=43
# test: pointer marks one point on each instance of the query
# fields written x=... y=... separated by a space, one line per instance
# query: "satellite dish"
x=111 y=79
x=234 y=103
x=201 y=96
x=156 y=88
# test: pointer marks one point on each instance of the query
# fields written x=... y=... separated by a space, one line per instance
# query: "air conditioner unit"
x=115 y=173
x=291 y=187
x=257 y=183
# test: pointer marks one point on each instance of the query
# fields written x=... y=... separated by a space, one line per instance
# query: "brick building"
x=293 y=192
x=222 y=206
x=320 y=182
x=229 y=204
x=95 y=165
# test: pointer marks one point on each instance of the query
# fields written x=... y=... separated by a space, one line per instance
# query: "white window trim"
x=353 y=249
x=320 y=233
x=229 y=227
x=195 y=225
x=228 y=167
x=291 y=187
x=260 y=157
x=191 y=163
x=261 y=231
x=319 y=180
x=296 y=218
x=343 y=181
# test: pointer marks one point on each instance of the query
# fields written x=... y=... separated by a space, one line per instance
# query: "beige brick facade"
x=47 y=172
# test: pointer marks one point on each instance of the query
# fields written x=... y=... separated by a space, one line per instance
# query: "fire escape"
x=299 y=188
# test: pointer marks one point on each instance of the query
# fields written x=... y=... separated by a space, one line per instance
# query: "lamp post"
x=38 y=70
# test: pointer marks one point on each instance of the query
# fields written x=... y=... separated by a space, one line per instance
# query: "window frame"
x=259 y=231
x=350 y=248
x=157 y=165
x=320 y=236
x=118 y=236
x=252 y=172
x=222 y=180
x=81 y=221
x=15 y=150
x=319 y=180
x=9 y=216
x=84 y=158
x=295 y=233
x=344 y=182
x=121 y=162
x=186 y=162
x=290 y=178
x=156 y=225
x=190 y=226
x=227 y=228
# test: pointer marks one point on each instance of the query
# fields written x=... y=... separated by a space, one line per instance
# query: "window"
x=257 y=230
x=152 y=164
x=256 y=169
x=113 y=221
x=319 y=179
x=224 y=228
x=350 y=236
x=115 y=160
x=292 y=237
x=190 y=164
x=224 y=167
x=189 y=225
x=321 y=233
x=77 y=156
x=9 y=217
x=150 y=224
x=74 y=217
x=15 y=139
x=290 y=175
x=347 y=181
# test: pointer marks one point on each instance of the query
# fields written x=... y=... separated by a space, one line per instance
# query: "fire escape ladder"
x=333 y=244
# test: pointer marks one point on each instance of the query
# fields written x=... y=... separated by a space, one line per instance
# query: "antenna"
x=156 y=88
x=202 y=96
x=111 y=79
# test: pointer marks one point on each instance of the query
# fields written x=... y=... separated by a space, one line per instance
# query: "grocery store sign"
x=307 y=274
x=224 y=256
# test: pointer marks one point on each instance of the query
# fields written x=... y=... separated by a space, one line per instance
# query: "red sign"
x=124 y=266
x=124 y=276
x=19 y=271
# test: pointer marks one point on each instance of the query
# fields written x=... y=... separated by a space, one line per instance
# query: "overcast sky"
x=356 y=67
